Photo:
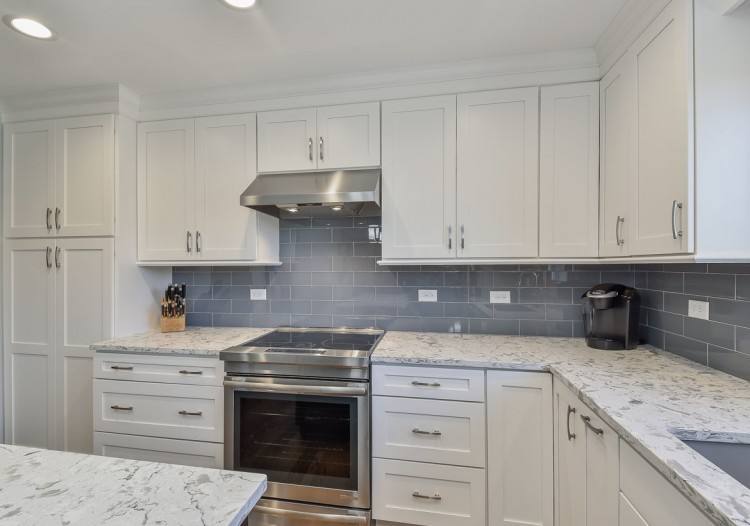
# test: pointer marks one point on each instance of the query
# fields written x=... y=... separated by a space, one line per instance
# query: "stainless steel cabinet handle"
x=49 y=219
x=418 y=431
x=675 y=207
x=57 y=218
x=620 y=221
x=122 y=367
x=312 y=518
x=587 y=420
x=320 y=149
x=190 y=372
x=323 y=390
x=417 y=383
x=450 y=237
x=48 y=256
x=418 y=495
x=189 y=242
x=571 y=411
x=462 y=237
x=191 y=413
x=122 y=407
x=309 y=148
x=57 y=257
x=198 y=241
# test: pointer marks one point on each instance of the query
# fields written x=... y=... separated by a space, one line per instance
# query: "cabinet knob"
x=49 y=219
x=417 y=383
x=587 y=420
x=189 y=242
x=122 y=407
x=184 y=371
x=309 y=149
x=320 y=149
x=190 y=413
x=418 y=495
x=676 y=205
x=418 y=431
x=57 y=218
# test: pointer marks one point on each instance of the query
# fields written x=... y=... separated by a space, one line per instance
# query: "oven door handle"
x=323 y=390
x=323 y=518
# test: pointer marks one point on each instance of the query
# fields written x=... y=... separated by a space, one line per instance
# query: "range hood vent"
x=315 y=193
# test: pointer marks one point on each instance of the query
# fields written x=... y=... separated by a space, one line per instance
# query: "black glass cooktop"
x=317 y=339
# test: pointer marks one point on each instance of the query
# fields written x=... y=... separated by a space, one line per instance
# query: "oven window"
x=294 y=439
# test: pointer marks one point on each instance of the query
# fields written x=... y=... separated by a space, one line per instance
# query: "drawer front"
x=187 y=412
x=427 y=494
x=165 y=369
x=184 y=452
x=437 y=431
x=428 y=382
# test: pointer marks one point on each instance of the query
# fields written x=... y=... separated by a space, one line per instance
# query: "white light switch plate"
x=499 y=296
x=427 y=295
x=258 y=294
x=698 y=309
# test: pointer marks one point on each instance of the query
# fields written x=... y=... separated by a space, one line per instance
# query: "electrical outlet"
x=499 y=296
x=698 y=309
x=258 y=294
x=427 y=295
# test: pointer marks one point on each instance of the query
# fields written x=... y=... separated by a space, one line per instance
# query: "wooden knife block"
x=176 y=324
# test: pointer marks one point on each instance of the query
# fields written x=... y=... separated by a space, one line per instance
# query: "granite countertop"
x=42 y=487
x=195 y=341
x=647 y=396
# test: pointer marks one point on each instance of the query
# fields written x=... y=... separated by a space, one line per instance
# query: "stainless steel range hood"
x=315 y=193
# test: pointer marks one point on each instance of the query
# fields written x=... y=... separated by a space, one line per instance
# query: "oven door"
x=309 y=437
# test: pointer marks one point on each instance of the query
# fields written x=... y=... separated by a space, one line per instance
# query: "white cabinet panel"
x=138 y=367
x=569 y=171
x=498 y=173
x=286 y=140
x=570 y=461
x=348 y=136
x=85 y=176
x=166 y=190
x=419 y=178
x=29 y=181
x=629 y=516
x=663 y=58
x=602 y=465
x=427 y=494
x=225 y=165
x=436 y=383
x=520 y=443
x=150 y=449
x=434 y=431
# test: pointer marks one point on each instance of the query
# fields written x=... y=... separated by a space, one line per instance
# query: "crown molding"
x=109 y=98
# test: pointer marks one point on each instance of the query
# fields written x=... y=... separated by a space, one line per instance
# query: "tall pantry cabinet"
x=69 y=274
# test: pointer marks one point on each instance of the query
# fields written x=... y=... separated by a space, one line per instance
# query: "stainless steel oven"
x=297 y=408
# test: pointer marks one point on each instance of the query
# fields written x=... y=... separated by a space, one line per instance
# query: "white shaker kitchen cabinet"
x=617 y=159
x=166 y=190
x=519 y=448
x=84 y=315
x=85 y=176
x=419 y=178
x=287 y=140
x=29 y=179
x=29 y=338
x=569 y=171
x=498 y=174
x=664 y=175
x=348 y=136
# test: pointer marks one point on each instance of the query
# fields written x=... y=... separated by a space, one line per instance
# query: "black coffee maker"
x=610 y=316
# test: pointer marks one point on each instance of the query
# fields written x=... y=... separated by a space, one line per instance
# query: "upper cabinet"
x=59 y=177
x=325 y=138
x=191 y=173
x=569 y=171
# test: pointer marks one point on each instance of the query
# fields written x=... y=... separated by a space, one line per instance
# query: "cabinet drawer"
x=438 y=431
x=166 y=369
x=652 y=498
x=428 y=382
x=427 y=494
x=184 y=452
x=187 y=412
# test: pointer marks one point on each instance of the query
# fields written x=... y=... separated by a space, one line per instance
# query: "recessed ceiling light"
x=240 y=4
x=29 y=27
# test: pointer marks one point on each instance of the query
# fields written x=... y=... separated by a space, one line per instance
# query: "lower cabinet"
x=151 y=449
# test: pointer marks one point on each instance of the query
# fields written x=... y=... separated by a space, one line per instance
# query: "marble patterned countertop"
x=42 y=487
x=647 y=396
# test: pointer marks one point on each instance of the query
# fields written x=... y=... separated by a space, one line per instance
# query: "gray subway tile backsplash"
x=330 y=277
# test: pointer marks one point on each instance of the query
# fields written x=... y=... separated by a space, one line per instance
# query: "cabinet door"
x=520 y=440
x=569 y=171
x=29 y=321
x=498 y=173
x=225 y=165
x=602 y=470
x=570 y=460
x=662 y=219
x=84 y=314
x=617 y=96
x=85 y=176
x=166 y=190
x=29 y=179
x=286 y=140
x=349 y=136
x=419 y=178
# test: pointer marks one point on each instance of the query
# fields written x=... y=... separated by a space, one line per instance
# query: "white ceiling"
x=156 y=46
